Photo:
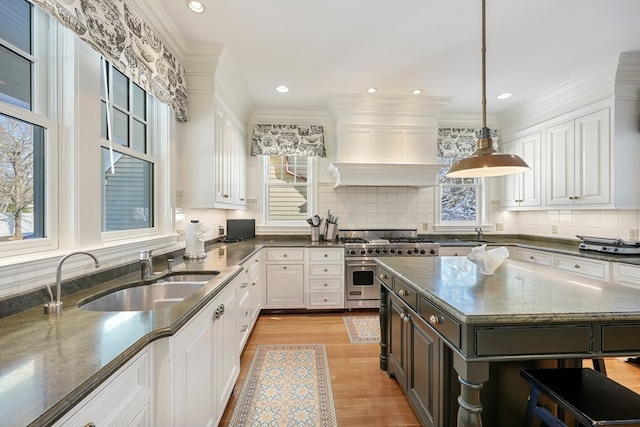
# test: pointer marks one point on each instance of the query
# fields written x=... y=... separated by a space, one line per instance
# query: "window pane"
x=120 y=88
x=139 y=102
x=15 y=79
x=120 y=128
x=139 y=136
x=15 y=23
x=458 y=204
x=22 y=174
x=288 y=169
x=103 y=120
x=127 y=193
x=287 y=203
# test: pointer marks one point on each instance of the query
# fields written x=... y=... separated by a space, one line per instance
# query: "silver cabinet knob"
x=403 y=293
x=434 y=320
x=326 y=255
x=576 y=266
x=383 y=276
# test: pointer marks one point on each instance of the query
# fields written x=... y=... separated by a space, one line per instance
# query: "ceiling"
x=319 y=47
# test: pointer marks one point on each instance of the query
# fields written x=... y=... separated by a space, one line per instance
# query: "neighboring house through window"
x=288 y=184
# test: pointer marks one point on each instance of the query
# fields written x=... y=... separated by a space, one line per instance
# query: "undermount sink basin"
x=145 y=298
x=189 y=277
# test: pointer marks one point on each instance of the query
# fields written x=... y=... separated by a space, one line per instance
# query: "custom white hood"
x=386 y=140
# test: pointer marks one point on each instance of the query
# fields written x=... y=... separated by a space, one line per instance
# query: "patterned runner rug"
x=363 y=329
x=287 y=385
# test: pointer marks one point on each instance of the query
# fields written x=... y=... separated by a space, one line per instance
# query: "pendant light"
x=486 y=161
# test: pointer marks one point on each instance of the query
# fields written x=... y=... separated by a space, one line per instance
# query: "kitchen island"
x=477 y=324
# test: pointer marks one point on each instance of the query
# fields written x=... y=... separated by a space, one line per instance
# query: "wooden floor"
x=363 y=394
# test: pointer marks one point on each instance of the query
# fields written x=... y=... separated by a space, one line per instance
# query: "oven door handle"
x=349 y=264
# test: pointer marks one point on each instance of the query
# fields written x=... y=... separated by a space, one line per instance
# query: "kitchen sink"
x=189 y=277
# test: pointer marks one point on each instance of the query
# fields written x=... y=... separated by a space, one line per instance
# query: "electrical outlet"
x=499 y=226
x=554 y=229
x=425 y=226
x=633 y=234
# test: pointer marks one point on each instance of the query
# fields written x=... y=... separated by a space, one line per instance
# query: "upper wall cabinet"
x=578 y=161
x=524 y=189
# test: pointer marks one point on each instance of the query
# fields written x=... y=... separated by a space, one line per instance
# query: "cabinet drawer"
x=285 y=254
x=455 y=251
x=316 y=255
x=332 y=283
x=385 y=277
x=581 y=266
x=629 y=274
x=621 y=337
x=440 y=321
x=406 y=293
x=534 y=340
x=326 y=300
x=533 y=257
x=325 y=270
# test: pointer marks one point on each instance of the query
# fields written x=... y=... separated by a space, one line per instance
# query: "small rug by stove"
x=363 y=329
x=287 y=385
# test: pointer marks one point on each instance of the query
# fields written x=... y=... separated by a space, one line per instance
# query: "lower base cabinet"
x=197 y=368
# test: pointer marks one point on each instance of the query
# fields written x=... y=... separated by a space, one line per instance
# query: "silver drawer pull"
x=284 y=255
x=576 y=266
x=326 y=255
x=285 y=267
x=532 y=257
x=403 y=293
x=383 y=276
x=326 y=284
x=434 y=320
x=325 y=270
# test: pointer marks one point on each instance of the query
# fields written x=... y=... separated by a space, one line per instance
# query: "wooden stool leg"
x=531 y=406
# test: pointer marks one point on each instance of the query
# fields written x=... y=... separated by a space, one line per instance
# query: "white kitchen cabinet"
x=325 y=278
x=626 y=275
x=205 y=363
x=123 y=400
x=524 y=189
x=230 y=161
x=578 y=161
x=249 y=298
x=575 y=264
x=285 y=287
x=532 y=256
x=455 y=250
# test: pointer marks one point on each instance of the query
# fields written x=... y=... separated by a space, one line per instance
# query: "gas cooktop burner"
x=410 y=240
x=375 y=243
x=353 y=240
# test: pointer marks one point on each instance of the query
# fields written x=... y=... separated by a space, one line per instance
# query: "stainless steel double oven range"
x=363 y=246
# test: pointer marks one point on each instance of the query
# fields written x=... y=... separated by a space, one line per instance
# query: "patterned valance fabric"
x=114 y=30
x=456 y=143
x=288 y=140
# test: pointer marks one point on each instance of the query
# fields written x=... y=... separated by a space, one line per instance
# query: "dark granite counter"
x=516 y=292
x=49 y=363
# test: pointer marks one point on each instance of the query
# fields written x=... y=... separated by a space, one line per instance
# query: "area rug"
x=363 y=329
x=287 y=385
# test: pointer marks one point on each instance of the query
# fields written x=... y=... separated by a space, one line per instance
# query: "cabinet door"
x=225 y=348
x=561 y=164
x=530 y=182
x=194 y=386
x=511 y=183
x=238 y=179
x=285 y=285
x=396 y=340
x=423 y=383
x=592 y=159
x=223 y=158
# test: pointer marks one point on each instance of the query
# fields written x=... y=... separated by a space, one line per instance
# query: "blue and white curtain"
x=114 y=30
x=288 y=140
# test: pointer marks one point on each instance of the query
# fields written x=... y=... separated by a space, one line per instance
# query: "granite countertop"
x=516 y=292
x=49 y=363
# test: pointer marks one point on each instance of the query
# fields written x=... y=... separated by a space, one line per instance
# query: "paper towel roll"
x=194 y=242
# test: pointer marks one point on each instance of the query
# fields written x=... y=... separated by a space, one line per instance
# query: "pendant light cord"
x=484 y=66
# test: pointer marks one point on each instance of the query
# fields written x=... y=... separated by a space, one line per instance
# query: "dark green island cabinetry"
x=456 y=340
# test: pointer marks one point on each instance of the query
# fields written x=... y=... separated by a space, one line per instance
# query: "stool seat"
x=591 y=397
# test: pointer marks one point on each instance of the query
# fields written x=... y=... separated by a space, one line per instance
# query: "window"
x=460 y=198
x=27 y=136
x=127 y=162
x=288 y=189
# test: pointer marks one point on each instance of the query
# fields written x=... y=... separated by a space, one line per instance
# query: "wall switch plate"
x=499 y=226
x=425 y=226
x=554 y=229
x=633 y=234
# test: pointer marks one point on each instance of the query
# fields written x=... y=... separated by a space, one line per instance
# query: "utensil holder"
x=332 y=231
x=315 y=234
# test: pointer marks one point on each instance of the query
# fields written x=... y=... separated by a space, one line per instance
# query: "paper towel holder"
x=194 y=248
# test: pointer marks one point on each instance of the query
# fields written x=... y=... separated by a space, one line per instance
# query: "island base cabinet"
x=414 y=359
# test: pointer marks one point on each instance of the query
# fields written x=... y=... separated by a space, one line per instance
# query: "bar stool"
x=591 y=397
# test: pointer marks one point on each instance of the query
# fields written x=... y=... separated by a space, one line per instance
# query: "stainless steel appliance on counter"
x=363 y=246
x=612 y=246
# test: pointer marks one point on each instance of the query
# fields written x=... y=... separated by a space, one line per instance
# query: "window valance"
x=114 y=30
x=288 y=140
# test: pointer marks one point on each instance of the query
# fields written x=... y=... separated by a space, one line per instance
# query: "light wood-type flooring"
x=363 y=394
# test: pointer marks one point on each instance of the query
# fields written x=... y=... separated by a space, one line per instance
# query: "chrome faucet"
x=56 y=306
x=146 y=264
x=480 y=233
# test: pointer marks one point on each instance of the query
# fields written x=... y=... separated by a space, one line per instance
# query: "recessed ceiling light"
x=372 y=90
x=416 y=91
x=282 y=89
x=195 y=6
x=504 y=95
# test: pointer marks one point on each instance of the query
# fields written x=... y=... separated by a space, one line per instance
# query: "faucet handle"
x=170 y=265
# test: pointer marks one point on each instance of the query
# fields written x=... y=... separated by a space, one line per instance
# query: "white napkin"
x=488 y=261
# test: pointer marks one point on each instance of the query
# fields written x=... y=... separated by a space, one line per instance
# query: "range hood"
x=385 y=174
x=386 y=140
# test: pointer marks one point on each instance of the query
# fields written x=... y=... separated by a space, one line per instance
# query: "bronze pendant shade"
x=486 y=161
